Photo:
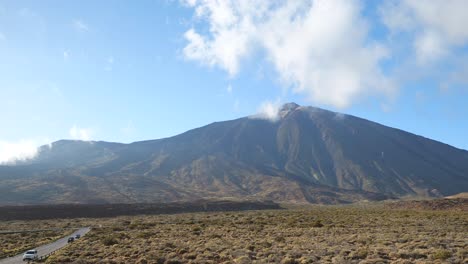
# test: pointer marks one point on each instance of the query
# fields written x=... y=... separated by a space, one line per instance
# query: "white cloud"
x=80 y=25
x=458 y=78
x=320 y=48
x=386 y=107
x=11 y=152
x=429 y=46
x=268 y=110
x=437 y=25
x=229 y=88
x=66 y=55
x=231 y=33
x=80 y=133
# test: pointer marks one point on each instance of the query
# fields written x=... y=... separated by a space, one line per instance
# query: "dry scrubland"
x=347 y=234
x=15 y=243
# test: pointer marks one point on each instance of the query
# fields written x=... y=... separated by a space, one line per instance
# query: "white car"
x=30 y=255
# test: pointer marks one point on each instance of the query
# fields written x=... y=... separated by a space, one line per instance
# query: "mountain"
x=306 y=155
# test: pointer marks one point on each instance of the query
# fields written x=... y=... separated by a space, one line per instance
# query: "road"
x=46 y=249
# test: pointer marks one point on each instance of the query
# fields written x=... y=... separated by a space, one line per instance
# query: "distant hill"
x=307 y=155
x=458 y=196
x=442 y=204
x=60 y=211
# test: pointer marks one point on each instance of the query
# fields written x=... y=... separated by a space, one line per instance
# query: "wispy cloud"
x=32 y=24
x=66 y=55
x=325 y=49
x=319 y=48
x=435 y=26
x=80 y=25
x=109 y=63
x=457 y=79
x=236 y=105
x=229 y=89
x=79 y=133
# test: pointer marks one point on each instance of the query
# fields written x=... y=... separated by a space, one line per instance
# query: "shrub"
x=117 y=228
x=359 y=254
x=144 y=235
x=317 y=223
x=266 y=244
x=109 y=241
x=289 y=260
x=173 y=261
x=280 y=239
x=412 y=255
x=442 y=254
x=160 y=260
x=169 y=245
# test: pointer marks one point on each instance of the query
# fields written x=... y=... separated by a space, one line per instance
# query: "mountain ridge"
x=307 y=154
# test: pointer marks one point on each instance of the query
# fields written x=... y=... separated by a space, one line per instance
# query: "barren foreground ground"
x=346 y=234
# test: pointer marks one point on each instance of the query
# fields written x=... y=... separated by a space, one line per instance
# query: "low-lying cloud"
x=268 y=110
x=25 y=149
x=13 y=151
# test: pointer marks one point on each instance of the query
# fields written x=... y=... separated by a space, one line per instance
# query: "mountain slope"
x=307 y=155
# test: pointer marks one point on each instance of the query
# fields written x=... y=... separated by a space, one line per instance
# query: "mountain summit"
x=287 y=108
x=308 y=155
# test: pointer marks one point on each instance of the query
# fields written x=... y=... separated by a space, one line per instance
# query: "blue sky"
x=135 y=70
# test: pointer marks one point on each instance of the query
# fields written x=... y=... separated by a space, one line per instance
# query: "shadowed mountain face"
x=307 y=155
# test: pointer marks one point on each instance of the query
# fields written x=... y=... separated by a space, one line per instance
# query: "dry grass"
x=348 y=234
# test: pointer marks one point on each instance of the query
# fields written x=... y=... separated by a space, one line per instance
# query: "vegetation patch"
x=346 y=234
